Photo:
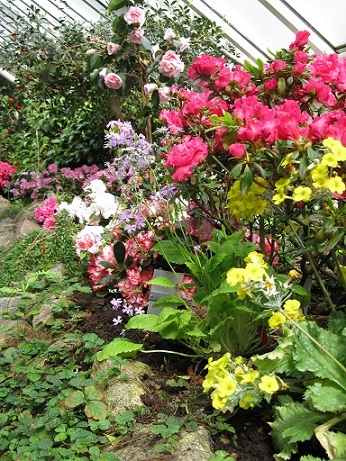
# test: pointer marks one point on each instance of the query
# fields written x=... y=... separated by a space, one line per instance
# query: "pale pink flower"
x=103 y=72
x=150 y=88
x=169 y=35
x=113 y=48
x=171 y=64
x=89 y=239
x=184 y=43
x=113 y=80
x=164 y=94
x=136 y=35
x=135 y=15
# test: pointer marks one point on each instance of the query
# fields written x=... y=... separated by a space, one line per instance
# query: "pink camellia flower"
x=171 y=64
x=169 y=35
x=164 y=94
x=149 y=88
x=184 y=157
x=184 y=43
x=135 y=15
x=302 y=38
x=113 y=48
x=136 y=35
x=113 y=80
x=237 y=150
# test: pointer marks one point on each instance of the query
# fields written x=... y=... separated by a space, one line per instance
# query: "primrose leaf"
x=119 y=347
x=96 y=410
x=326 y=398
x=293 y=423
x=170 y=301
x=309 y=357
x=172 y=252
x=143 y=322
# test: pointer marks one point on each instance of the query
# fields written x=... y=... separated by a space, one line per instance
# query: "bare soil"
x=251 y=440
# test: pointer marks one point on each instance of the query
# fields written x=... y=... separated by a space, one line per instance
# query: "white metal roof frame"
x=252 y=26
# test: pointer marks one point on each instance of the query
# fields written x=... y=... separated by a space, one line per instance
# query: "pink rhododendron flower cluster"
x=6 y=171
x=45 y=213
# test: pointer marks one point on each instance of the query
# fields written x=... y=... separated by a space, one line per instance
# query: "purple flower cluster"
x=37 y=185
x=120 y=305
x=133 y=151
x=134 y=220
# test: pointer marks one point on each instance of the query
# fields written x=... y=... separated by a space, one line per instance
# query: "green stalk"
x=315 y=271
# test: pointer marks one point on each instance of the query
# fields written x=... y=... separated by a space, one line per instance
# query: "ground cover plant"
x=243 y=193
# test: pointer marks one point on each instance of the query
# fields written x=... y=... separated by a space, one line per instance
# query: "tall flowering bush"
x=264 y=148
x=6 y=172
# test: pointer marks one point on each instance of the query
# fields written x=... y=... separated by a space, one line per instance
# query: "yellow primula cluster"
x=292 y=310
x=250 y=204
x=254 y=271
x=323 y=176
x=235 y=383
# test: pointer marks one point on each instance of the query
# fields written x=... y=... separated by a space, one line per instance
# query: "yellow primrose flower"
x=301 y=194
x=282 y=183
x=254 y=272
x=217 y=401
x=294 y=274
x=239 y=360
x=276 y=320
x=279 y=197
x=227 y=387
x=330 y=160
x=249 y=377
x=235 y=275
x=287 y=161
x=319 y=172
x=244 y=291
x=292 y=309
x=336 y=147
x=256 y=258
x=220 y=363
x=336 y=184
x=247 y=401
x=268 y=384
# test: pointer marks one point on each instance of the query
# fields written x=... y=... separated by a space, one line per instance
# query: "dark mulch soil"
x=251 y=442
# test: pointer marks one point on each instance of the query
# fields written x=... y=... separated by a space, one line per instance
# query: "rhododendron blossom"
x=90 y=239
x=185 y=156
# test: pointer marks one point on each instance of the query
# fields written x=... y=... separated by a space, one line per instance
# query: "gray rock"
x=122 y=393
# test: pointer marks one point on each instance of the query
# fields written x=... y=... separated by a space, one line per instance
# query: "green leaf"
x=143 y=322
x=170 y=301
x=172 y=252
x=75 y=399
x=119 y=347
x=309 y=357
x=115 y=5
x=119 y=251
x=161 y=282
x=96 y=410
x=91 y=393
x=246 y=180
x=293 y=423
x=326 y=398
x=146 y=43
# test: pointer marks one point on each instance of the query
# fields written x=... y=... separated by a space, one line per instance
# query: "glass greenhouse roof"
x=252 y=26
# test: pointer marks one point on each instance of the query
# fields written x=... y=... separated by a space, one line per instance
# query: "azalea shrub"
x=262 y=147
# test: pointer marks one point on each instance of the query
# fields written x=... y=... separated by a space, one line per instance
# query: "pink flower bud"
x=113 y=80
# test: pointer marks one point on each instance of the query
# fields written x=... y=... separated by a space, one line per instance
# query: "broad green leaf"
x=75 y=399
x=334 y=443
x=96 y=410
x=170 y=301
x=119 y=251
x=224 y=288
x=146 y=43
x=172 y=252
x=309 y=357
x=326 y=398
x=119 y=347
x=143 y=322
x=161 y=282
x=337 y=322
x=91 y=393
x=115 y=4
